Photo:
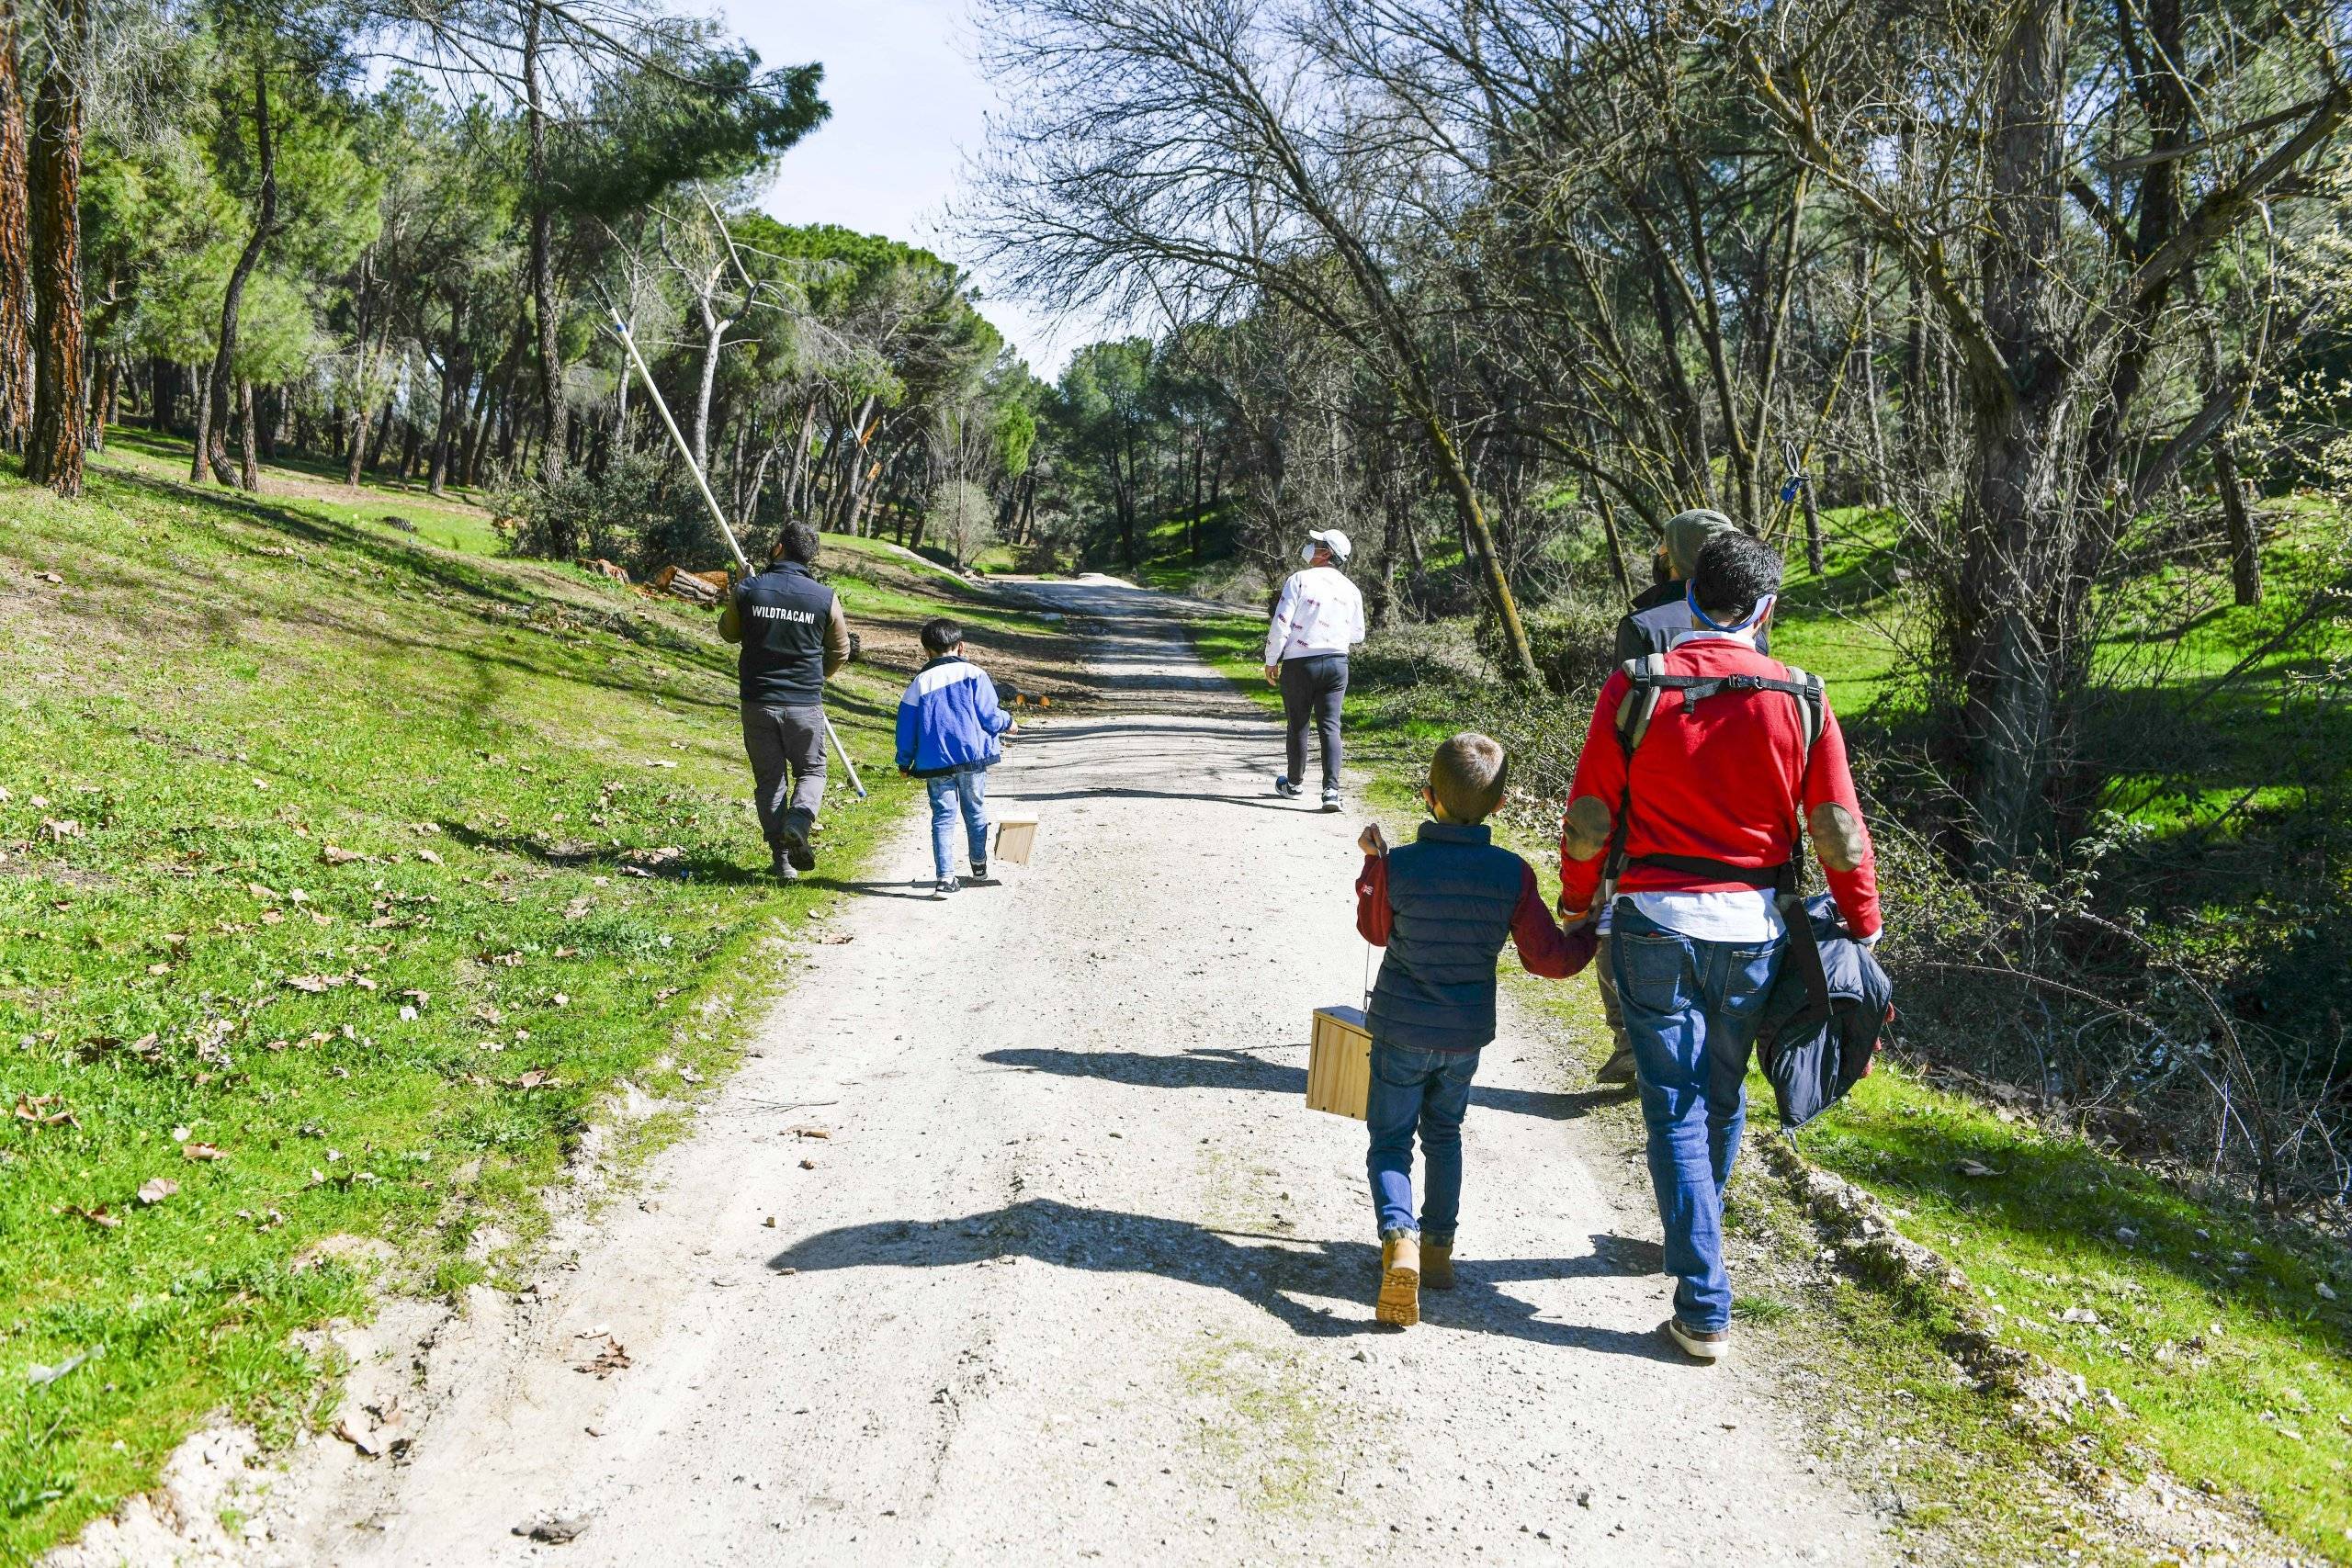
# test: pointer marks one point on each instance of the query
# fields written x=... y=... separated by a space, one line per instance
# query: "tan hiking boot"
x=1400 y=1280
x=1437 y=1264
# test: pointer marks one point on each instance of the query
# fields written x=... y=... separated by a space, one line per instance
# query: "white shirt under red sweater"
x=1728 y=780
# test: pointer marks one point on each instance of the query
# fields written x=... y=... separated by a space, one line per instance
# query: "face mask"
x=1307 y=552
x=1745 y=626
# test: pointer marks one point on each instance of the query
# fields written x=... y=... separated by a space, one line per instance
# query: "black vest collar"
x=1455 y=833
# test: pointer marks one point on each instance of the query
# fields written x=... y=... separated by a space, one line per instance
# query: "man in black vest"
x=793 y=636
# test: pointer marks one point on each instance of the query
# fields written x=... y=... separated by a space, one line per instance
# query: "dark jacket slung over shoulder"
x=792 y=634
x=1444 y=906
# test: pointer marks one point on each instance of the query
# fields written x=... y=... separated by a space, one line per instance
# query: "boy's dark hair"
x=1732 y=573
x=1468 y=777
x=940 y=635
x=797 y=542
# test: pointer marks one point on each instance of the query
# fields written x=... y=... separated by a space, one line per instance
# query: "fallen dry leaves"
x=156 y=1189
x=44 y=1111
x=611 y=1359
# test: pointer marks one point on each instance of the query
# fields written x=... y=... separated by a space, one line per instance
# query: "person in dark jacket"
x=794 y=637
x=1443 y=907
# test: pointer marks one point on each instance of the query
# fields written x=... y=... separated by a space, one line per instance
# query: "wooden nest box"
x=1016 y=835
x=1339 y=1062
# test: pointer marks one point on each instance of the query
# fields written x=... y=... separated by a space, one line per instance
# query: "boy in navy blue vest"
x=1442 y=905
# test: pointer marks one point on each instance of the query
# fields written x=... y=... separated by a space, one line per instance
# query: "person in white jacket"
x=1318 y=617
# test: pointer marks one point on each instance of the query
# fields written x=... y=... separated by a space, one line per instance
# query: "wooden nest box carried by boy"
x=1339 y=1062
x=1016 y=835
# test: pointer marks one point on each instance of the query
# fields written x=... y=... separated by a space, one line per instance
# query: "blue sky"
x=907 y=103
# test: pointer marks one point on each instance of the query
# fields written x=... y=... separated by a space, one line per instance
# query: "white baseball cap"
x=1333 y=540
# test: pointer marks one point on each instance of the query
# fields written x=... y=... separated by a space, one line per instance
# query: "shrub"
x=637 y=512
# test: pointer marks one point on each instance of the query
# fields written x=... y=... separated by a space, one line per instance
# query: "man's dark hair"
x=940 y=635
x=1468 y=777
x=1732 y=573
x=797 y=542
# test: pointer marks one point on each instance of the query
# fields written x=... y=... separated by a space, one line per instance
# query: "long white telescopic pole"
x=628 y=341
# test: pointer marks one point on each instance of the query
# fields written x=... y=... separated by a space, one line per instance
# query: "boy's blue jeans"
x=966 y=788
x=1692 y=1010
x=1424 y=1089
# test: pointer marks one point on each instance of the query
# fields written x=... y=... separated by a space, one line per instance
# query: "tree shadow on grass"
x=1223 y=1067
x=1269 y=1271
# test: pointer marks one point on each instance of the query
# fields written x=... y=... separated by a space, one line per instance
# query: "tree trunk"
x=2246 y=544
x=1608 y=531
x=203 y=386
x=110 y=382
x=553 y=446
x=2013 y=649
x=382 y=438
x=233 y=300
x=1192 y=523
x=452 y=353
x=249 y=471
x=793 y=506
x=53 y=168
x=1482 y=540
x=1813 y=557
x=16 y=247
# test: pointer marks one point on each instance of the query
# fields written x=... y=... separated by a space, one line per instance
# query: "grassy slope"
x=2211 y=1330
x=401 y=1045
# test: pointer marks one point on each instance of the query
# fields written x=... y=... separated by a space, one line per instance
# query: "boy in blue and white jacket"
x=949 y=726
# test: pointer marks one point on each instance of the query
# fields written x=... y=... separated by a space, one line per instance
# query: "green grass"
x=2211 y=1328
x=370 y=864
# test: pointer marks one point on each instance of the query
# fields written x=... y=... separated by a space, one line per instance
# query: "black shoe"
x=980 y=877
x=1619 y=1069
x=1330 y=800
x=944 y=886
x=1284 y=787
x=782 y=868
x=794 y=847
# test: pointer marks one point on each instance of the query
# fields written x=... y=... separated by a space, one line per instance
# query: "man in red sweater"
x=1713 y=793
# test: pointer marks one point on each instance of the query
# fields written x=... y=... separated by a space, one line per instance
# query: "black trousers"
x=1312 y=690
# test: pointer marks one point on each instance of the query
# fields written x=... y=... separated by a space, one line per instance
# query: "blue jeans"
x=1692 y=1010
x=1431 y=1090
x=968 y=788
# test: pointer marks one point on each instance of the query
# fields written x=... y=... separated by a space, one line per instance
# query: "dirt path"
x=1076 y=1275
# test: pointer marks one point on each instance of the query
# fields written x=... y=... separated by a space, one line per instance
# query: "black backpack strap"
x=1647 y=680
x=1769 y=877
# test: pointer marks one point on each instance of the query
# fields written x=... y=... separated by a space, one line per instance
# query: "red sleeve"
x=1601 y=774
x=1373 y=918
x=1829 y=782
x=1542 y=949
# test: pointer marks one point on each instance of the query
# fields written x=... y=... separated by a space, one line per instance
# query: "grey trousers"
x=788 y=751
x=1312 y=690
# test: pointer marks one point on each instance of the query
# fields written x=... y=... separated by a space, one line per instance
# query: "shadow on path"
x=1228 y=1068
x=1264 y=1270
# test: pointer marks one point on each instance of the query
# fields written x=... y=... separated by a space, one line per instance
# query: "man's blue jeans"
x=1424 y=1089
x=966 y=788
x=1692 y=1010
